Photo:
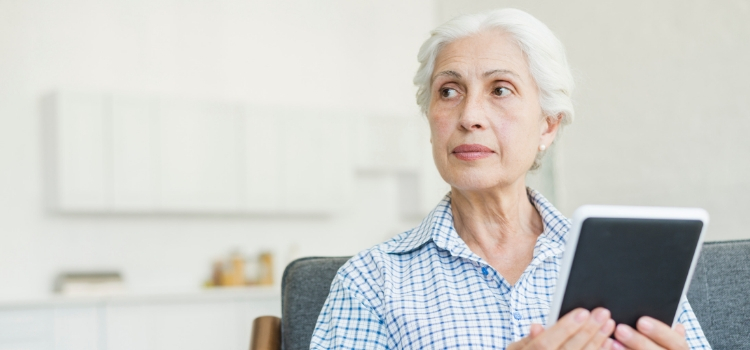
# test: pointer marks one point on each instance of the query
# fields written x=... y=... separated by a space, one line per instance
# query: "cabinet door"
x=199 y=156
x=317 y=169
x=80 y=154
x=78 y=328
x=26 y=329
x=134 y=159
x=263 y=164
x=184 y=326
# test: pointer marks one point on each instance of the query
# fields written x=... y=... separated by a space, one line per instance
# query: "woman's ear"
x=549 y=128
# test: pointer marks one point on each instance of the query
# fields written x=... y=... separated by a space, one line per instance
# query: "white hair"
x=545 y=55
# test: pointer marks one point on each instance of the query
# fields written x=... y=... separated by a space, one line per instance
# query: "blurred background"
x=152 y=151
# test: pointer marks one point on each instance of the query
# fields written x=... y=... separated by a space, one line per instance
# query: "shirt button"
x=517 y=315
x=484 y=271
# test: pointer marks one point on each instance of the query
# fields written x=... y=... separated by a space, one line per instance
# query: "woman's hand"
x=651 y=334
x=579 y=329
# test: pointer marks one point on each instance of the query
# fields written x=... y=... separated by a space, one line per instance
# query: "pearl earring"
x=542 y=147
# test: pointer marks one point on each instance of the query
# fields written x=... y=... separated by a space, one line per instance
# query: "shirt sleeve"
x=693 y=332
x=348 y=322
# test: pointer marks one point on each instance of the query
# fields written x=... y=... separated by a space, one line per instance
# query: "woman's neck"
x=499 y=225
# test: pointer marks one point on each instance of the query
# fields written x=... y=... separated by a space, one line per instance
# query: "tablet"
x=634 y=261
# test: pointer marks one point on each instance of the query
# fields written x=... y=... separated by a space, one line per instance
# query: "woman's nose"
x=473 y=115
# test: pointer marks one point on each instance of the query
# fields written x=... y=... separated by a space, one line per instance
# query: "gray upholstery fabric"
x=719 y=295
x=304 y=289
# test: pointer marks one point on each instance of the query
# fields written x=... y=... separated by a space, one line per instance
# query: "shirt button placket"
x=517 y=315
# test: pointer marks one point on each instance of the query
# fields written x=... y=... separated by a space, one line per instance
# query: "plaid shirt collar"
x=438 y=227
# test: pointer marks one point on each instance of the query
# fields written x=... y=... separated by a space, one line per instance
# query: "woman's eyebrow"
x=449 y=73
x=502 y=72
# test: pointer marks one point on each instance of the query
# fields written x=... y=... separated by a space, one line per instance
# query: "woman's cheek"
x=440 y=130
x=440 y=157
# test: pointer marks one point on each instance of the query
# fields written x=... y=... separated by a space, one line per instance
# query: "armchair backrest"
x=719 y=294
x=304 y=289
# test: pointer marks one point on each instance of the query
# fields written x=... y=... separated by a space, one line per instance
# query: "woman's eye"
x=448 y=93
x=501 y=91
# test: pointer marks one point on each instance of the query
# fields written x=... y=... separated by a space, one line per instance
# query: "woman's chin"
x=477 y=181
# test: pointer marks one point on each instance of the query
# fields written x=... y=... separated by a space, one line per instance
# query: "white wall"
x=662 y=103
x=336 y=54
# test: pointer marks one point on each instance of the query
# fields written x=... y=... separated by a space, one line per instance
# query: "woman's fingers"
x=535 y=330
x=601 y=339
x=631 y=339
x=661 y=334
x=580 y=329
x=680 y=329
x=592 y=333
x=555 y=336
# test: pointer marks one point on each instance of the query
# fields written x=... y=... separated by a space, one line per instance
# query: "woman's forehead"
x=481 y=55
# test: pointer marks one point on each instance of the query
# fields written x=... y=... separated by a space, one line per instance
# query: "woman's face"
x=484 y=113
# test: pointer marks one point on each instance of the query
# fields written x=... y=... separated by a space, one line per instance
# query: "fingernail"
x=582 y=316
x=645 y=324
x=617 y=345
x=607 y=344
x=601 y=315
x=607 y=326
x=623 y=332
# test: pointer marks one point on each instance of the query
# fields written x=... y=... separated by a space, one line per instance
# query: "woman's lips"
x=472 y=152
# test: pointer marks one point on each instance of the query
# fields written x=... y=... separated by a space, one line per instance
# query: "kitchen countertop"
x=191 y=296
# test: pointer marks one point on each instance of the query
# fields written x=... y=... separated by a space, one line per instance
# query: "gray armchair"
x=719 y=295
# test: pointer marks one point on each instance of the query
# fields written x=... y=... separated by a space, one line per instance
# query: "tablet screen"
x=633 y=267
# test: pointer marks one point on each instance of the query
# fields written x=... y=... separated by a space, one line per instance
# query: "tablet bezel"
x=620 y=212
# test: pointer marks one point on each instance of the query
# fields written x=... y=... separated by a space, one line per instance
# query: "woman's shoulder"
x=365 y=276
x=379 y=261
x=382 y=258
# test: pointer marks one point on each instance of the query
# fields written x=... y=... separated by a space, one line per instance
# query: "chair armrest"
x=266 y=333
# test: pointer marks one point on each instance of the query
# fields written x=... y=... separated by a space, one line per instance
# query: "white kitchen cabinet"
x=27 y=345
x=77 y=328
x=127 y=154
x=200 y=156
x=218 y=324
x=263 y=151
x=173 y=326
x=296 y=161
x=26 y=329
x=51 y=327
x=80 y=126
x=216 y=319
x=317 y=162
x=134 y=154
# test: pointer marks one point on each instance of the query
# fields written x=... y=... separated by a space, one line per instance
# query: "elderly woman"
x=480 y=270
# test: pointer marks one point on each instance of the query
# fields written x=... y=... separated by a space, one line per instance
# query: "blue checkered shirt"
x=426 y=289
